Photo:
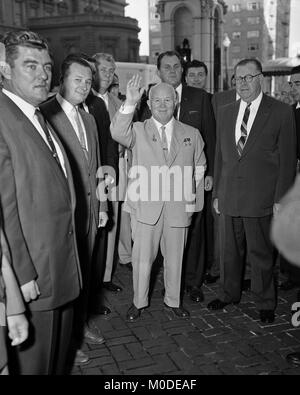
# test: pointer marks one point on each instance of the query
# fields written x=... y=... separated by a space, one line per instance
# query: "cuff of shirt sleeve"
x=127 y=109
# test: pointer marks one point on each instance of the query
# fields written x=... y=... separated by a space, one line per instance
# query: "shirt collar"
x=27 y=108
x=102 y=96
x=159 y=125
x=67 y=107
x=298 y=105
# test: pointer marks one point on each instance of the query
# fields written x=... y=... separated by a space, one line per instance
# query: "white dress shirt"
x=70 y=112
x=29 y=111
x=168 y=130
x=126 y=109
x=253 y=111
x=179 y=96
x=298 y=105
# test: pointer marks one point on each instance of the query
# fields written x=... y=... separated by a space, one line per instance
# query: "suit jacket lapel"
x=62 y=123
x=258 y=125
x=155 y=140
x=232 y=123
x=183 y=104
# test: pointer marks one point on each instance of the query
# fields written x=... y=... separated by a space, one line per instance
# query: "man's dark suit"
x=297 y=117
x=214 y=262
x=247 y=188
x=85 y=183
x=38 y=204
x=221 y=99
x=196 y=111
x=108 y=147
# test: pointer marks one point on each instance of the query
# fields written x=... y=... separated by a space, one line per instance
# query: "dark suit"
x=214 y=262
x=247 y=188
x=297 y=117
x=38 y=204
x=108 y=147
x=196 y=111
x=221 y=99
x=85 y=183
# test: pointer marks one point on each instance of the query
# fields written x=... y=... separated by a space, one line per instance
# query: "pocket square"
x=193 y=112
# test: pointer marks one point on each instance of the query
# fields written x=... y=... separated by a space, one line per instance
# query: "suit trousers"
x=46 y=349
x=111 y=241
x=146 y=241
x=125 y=242
x=194 y=257
x=249 y=236
x=81 y=305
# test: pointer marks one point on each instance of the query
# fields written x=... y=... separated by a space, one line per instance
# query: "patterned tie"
x=80 y=132
x=164 y=142
x=43 y=124
x=242 y=141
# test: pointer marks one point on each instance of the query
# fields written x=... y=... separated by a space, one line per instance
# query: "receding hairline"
x=161 y=85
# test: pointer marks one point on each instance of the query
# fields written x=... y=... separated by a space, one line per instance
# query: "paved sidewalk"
x=228 y=342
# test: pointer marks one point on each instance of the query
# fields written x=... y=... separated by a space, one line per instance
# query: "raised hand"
x=134 y=90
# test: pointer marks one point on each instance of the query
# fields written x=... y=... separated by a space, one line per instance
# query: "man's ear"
x=5 y=70
x=148 y=103
x=158 y=73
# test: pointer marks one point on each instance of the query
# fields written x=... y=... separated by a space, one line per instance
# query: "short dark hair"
x=246 y=61
x=22 y=38
x=168 y=53
x=196 y=63
x=295 y=70
x=79 y=58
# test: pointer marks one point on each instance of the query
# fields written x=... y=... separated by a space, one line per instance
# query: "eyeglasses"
x=247 y=78
x=296 y=83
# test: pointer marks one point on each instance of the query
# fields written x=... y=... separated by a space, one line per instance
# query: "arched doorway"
x=183 y=26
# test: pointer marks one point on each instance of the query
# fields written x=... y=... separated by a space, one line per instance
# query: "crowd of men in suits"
x=69 y=164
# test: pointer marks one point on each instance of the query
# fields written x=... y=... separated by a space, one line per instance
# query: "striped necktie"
x=242 y=141
x=164 y=142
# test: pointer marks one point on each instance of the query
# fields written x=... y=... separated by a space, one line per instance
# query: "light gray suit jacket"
x=181 y=195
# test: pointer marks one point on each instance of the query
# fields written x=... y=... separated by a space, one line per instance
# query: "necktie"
x=80 y=133
x=164 y=142
x=242 y=141
x=42 y=122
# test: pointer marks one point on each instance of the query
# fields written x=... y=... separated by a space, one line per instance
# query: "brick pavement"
x=228 y=342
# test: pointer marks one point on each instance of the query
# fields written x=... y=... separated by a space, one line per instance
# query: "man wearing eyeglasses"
x=254 y=166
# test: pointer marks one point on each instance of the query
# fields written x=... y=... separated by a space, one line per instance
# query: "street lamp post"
x=226 y=45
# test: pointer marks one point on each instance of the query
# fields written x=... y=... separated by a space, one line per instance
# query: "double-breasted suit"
x=158 y=216
x=248 y=186
x=38 y=203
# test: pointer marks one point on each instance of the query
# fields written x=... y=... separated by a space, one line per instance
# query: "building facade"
x=192 y=25
x=258 y=29
x=76 y=25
